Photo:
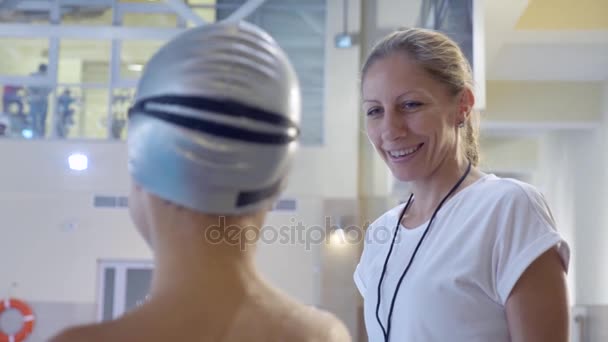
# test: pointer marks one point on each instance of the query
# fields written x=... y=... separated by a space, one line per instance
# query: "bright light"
x=338 y=237
x=135 y=67
x=27 y=133
x=343 y=41
x=78 y=162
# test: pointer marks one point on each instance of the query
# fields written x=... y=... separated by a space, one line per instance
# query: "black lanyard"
x=387 y=331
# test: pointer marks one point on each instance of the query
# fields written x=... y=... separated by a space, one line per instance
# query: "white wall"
x=392 y=14
x=543 y=101
x=573 y=174
x=602 y=164
x=590 y=231
x=41 y=167
x=509 y=154
x=53 y=243
x=557 y=178
x=331 y=170
x=591 y=215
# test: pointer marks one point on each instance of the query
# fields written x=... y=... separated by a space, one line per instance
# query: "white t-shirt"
x=478 y=246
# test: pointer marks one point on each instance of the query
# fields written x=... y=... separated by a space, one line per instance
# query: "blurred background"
x=68 y=70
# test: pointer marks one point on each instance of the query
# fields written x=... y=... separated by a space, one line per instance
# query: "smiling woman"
x=425 y=100
x=464 y=239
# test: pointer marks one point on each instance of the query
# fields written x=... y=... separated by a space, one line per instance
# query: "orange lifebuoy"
x=28 y=319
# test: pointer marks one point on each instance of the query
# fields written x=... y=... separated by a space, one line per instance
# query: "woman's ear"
x=467 y=101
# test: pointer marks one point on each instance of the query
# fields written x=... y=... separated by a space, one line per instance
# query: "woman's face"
x=412 y=119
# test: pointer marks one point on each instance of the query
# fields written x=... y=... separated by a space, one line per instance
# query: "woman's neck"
x=429 y=192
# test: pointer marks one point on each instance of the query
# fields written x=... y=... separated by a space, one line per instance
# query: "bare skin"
x=206 y=290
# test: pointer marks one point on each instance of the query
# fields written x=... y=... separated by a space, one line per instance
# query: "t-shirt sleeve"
x=360 y=271
x=525 y=232
x=375 y=236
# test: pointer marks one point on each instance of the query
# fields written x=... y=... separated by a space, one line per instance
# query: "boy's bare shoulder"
x=322 y=326
x=335 y=330
x=92 y=333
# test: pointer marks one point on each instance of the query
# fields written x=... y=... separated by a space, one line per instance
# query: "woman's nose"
x=394 y=126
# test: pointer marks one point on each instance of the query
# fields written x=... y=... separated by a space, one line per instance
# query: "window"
x=299 y=28
x=122 y=286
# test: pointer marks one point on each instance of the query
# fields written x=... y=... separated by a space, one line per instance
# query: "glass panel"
x=95 y=72
x=84 y=61
x=66 y=117
x=23 y=57
x=300 y=31
x=138 y=287
x=25 y=111
x=95 y=113
x=134 y=54
x=208 y=13
x=455 y=19
x=121 y=101
x=149 y=20
x=86 y=115
x=206 y=9
x=37 y=103
x=13 y=119
x=108 y=294
x=86 y=14
x=26 y=12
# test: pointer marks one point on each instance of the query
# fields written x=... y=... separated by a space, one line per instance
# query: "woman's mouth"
x=404 y=154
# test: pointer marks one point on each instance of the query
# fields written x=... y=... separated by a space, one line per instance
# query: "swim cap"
x=216 y=118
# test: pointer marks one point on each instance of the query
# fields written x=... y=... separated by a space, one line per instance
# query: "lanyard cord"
x=386 y=331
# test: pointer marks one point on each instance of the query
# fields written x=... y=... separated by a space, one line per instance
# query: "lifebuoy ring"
x=28 y=319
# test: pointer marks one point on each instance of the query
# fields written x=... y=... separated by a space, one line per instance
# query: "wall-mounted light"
x=78 y=162
x=135 y=67
x=27 y=133
x=344 y=40
x=337 y=237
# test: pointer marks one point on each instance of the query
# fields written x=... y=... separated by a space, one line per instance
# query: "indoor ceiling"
x=564 y=15
x=552 y=40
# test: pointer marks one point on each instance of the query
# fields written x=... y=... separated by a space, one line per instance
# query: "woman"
x=211 y=138
x=470 y=256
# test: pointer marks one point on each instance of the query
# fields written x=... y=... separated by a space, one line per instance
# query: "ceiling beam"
x=245 y=10
x=86 y=32
x=184 y=11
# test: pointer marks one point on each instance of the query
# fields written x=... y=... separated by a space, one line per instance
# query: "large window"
x=70 y=67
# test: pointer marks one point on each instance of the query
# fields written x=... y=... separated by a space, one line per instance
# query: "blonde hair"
x=441 y=57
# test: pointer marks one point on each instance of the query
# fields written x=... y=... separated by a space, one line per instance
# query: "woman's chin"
x=405 y=175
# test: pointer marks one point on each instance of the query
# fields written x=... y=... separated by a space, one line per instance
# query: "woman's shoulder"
x=506 y=196
x=492 y=187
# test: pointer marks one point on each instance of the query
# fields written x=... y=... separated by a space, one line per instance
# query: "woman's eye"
x=373 y=111
x=410 y=105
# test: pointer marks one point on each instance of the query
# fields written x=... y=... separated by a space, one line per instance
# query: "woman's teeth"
x=404 y=152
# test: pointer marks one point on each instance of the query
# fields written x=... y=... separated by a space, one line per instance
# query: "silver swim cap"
x=216 y=119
